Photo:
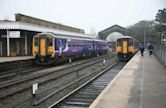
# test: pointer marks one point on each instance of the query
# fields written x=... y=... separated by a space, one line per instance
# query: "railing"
x=160 y=52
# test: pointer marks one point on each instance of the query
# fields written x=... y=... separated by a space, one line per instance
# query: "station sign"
x=12 y=34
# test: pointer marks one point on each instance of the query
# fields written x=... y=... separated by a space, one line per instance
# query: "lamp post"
x=144 y=38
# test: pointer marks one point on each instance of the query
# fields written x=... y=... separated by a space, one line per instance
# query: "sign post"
x=34 y=88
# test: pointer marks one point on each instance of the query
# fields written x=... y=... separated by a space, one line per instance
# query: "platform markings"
x=142 y=82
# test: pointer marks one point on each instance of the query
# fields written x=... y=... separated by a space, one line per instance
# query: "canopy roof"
x=16 y=25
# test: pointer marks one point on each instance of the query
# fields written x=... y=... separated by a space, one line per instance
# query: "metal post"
x=144 y=38
x=70 y=60
x=126 y=31
x=104 y=62
x=18 y=47
x=1 y=48
x=34 y=89
x=8 y=44
x=26 y=52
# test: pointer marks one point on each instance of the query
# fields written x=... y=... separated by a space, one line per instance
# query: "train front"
x=43 y=48
x=124 y=48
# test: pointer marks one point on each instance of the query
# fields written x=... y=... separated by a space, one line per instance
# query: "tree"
x=161 y=16
x=161 y=19
x=143 y=30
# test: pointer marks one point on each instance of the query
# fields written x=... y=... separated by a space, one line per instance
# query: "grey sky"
x=85 y=14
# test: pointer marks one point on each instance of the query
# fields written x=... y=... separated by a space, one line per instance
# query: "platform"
x=10 y=59
x=140 y=84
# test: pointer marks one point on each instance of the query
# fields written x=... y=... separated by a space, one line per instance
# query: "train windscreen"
x=50 y=42
x=36 y=41
x=130 y=42
x=119 y=42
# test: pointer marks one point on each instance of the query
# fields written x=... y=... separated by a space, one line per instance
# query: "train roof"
x=68 y=36
x=72 y=37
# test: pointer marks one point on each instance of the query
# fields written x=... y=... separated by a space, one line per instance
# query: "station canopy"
x=113 y=37
x=17 y=25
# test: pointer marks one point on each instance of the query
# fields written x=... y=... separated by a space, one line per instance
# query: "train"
x=126 y=47
x=49 y=48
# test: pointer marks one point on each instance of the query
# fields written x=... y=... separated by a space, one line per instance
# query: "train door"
x=43 y=46
x=124 y=46
x=60 y=46
x=0 y=48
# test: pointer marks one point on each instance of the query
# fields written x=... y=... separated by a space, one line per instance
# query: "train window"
x=36 y=41
x=119 y=42
x=42 y=36
x=130 y=42
x=69 y=44
x=60 y=43
x=50 y=43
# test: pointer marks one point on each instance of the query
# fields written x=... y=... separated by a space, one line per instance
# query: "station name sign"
x=12 y=34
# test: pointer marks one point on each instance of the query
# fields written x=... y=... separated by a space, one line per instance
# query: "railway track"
x=14 y=88
x=19 y=72
x=85 y=94
x=58 y=95
x=5 y=77
x=9 y=75
x=49 y=71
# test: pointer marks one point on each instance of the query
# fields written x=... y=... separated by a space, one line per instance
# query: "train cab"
x=43 y=47
x=125 y=47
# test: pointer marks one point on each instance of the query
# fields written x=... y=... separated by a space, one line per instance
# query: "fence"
x=159 y=44
x=160 y=52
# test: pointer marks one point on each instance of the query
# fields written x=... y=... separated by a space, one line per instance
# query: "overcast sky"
x=84 y=14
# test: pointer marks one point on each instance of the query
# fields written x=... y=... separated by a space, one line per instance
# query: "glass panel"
x=36 y=41
x=50 y=43
x=119 y=42
x=130 y=42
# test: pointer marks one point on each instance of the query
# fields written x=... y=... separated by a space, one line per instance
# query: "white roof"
x=38 y=28
x=67 y=37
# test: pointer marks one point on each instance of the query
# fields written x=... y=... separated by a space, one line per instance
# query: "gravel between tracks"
x=45 y=88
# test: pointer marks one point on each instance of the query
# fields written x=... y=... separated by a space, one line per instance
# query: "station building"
x=16 y=36
x=110 y=34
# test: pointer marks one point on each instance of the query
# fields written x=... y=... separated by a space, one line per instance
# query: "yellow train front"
x=126 y=47
x=43 y=48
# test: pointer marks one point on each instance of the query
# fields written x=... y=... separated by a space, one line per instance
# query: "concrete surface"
x=9 y=59
x=140 y=84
